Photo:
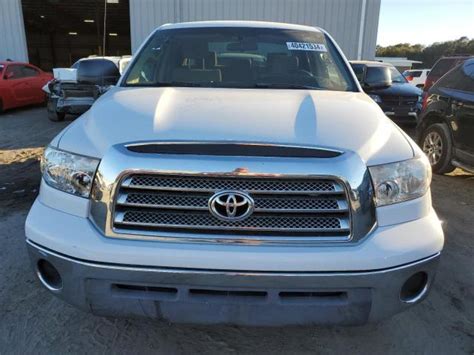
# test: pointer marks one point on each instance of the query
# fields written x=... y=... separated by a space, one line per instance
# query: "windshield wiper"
x=227 y=85
x=165 y=84
x=285 y=86
x=178 y=83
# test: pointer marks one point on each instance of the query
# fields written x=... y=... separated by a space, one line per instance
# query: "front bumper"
x=74 y=105
x=235 y=297
x=408 y=117
x=401 y=113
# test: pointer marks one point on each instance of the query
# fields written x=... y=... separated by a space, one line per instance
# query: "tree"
x=430 y=54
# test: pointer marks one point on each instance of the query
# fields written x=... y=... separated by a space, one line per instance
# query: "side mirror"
x=111 y=80
x=9 y=75
x=468 y=68
x=377 y=78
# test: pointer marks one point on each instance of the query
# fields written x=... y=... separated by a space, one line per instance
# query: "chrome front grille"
x=151 y=205
x=400 y=101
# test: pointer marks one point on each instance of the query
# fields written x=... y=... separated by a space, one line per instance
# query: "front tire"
x=437 y=145
x=54 y=115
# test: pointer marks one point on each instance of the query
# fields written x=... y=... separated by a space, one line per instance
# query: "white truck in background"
x=416 y=77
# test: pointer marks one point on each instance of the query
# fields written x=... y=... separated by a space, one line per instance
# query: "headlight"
x=68 y=172
x=402 y=181
x=376 y=98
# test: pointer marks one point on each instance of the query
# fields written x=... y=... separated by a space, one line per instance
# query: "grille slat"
x=162 y=220
x=212 y=184
x=283 y=206
x=157 y=200
x=302 y=204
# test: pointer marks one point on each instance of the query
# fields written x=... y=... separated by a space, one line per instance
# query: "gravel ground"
x=33 y=321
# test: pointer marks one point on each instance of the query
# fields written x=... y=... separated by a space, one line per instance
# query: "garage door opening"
x=59 y=32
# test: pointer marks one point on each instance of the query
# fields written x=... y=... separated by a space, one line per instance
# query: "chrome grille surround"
x=344 y=203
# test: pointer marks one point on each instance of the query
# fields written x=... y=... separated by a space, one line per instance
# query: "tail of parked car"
x=93 y=77
x=446 y=126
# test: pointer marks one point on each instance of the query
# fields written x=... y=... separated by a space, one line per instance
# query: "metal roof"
x=370 y=63
x=398 y=61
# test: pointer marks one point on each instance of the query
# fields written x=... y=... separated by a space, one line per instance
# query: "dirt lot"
x=33 y=321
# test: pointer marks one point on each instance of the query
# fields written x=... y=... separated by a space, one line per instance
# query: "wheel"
x=45 y=100
x=437 y=145
x=56 y=116
x=53 y=115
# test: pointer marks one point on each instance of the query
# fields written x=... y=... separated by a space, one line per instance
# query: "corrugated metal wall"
x=341 y=18
x=371 y=28
x=12 y=31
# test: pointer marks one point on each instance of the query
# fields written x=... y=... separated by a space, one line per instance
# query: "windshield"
x=444 y=65
x=378 y=73
x=396 y=76
x=240 y=58
x=358 y=71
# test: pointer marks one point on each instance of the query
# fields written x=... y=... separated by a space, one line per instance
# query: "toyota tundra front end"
x=236 y=174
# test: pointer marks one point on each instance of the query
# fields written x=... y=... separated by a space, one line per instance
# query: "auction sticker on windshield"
x=305 y=46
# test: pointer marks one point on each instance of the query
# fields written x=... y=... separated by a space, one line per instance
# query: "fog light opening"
x=414 y=288
x=49 y=275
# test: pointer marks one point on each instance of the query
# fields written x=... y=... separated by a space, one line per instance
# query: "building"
x=55 y=33
x=401 y=63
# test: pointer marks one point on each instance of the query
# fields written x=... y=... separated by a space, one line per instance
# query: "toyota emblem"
x=231 y=205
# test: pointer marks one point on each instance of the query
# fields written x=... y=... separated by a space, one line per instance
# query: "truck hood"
x=404 y=89
x=347 y=121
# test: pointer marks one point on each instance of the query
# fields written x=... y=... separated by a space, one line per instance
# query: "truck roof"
x=255 y=24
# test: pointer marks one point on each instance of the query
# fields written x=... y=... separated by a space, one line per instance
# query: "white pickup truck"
x=237 y=173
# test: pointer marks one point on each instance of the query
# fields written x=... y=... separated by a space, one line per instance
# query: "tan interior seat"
x=281 y=63
x=196 y=75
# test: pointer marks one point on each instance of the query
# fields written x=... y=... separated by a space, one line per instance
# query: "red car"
x=20 y=84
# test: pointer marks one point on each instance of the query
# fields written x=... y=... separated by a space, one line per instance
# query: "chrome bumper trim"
x=100 y=265
x=353 y=297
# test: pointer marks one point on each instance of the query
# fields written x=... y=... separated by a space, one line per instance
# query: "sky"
x=424 y=21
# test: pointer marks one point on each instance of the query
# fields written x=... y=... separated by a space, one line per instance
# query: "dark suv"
x=441 y=67
x=388 y=87
x=446 y=126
